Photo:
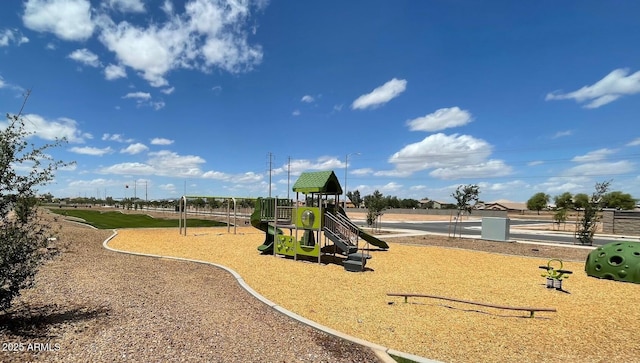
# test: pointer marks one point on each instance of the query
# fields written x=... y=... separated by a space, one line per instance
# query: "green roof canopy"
x=322 y=182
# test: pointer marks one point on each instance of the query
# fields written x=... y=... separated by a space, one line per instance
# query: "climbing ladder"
x=345 y=235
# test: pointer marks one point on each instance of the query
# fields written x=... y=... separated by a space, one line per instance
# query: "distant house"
x=505 y=205
x=349 y=203
x=430 y=204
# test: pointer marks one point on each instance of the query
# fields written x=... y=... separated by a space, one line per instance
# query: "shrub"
x=25 y=241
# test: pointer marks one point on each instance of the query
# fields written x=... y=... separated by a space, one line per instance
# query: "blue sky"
x=518 y=97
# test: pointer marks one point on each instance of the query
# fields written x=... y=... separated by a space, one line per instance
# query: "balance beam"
x=531 y=310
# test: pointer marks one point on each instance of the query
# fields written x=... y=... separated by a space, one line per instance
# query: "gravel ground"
x=596 y=320
x=93 y=305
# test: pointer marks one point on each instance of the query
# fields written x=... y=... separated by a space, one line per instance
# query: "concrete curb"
x=380 y=351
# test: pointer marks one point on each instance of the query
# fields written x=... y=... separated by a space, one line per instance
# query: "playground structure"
x=619 y=261
x=317 y=219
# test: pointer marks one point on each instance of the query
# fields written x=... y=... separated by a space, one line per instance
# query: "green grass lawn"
x=114 y=219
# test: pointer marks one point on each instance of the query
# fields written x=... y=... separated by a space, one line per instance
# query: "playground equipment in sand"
x=618 y=261
x=318 y=218
x=554 y=275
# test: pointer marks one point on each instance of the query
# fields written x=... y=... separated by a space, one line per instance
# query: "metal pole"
x=235 y=225
x=346 y=165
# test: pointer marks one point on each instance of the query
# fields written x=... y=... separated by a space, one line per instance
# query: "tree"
x=563 y=201
x=47 y=198
x=538 y=202
x=375 y=204
x=466 y=197
x=618 y=200
x=355 y=198
x=560 y=216
x=428 y=204
x=409 y=203
x=392 y=202
x=589 y=222
x=580 y=200
x=25 y=242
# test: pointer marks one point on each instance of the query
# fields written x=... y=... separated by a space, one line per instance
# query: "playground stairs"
x=345 y=235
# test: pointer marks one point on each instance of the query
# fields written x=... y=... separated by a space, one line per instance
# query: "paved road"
x=473 y=229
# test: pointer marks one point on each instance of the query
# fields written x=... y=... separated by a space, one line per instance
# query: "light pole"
x=346 y=166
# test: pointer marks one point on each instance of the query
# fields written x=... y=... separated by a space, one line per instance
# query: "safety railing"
x=341 y=227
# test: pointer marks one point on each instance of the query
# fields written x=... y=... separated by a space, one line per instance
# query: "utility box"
x=495 y=229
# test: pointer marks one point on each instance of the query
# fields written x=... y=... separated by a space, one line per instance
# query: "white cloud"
x=496 y=187
x=208 y=35
x=616 y=84
x=8 y=36
x=158 y=105
x=67 y=19
x=161 y=141
x=443 y=118
x=380 y=95
x=150 y=51
x=245 y=178
x=490 y=168
x=169 y=188
x=449 y=157
x=600 y=168
x=307 y=99
x=592 y=156
x=116 y=137
x=133 y=149
x=138 y=95
x=168 y=91
x=144 y=99
x=167 y=7
x=87 y=150
x=440 y=151
x=297 y=166
x=128 y=169
x=216 y=175
x=295 y=113
x=535 y=162
x=2 y=83
x=54 y=129
x=172 y=164
x=125 y=6
x=361 y=171
x=635 y=142
x=562 y=134
x=113 y=71
x=248 y=177
x=390 y=187
x=86 y=57
x=557 y=185
x=99 y=182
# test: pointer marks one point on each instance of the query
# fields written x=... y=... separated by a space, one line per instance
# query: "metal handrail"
x=342 y=227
